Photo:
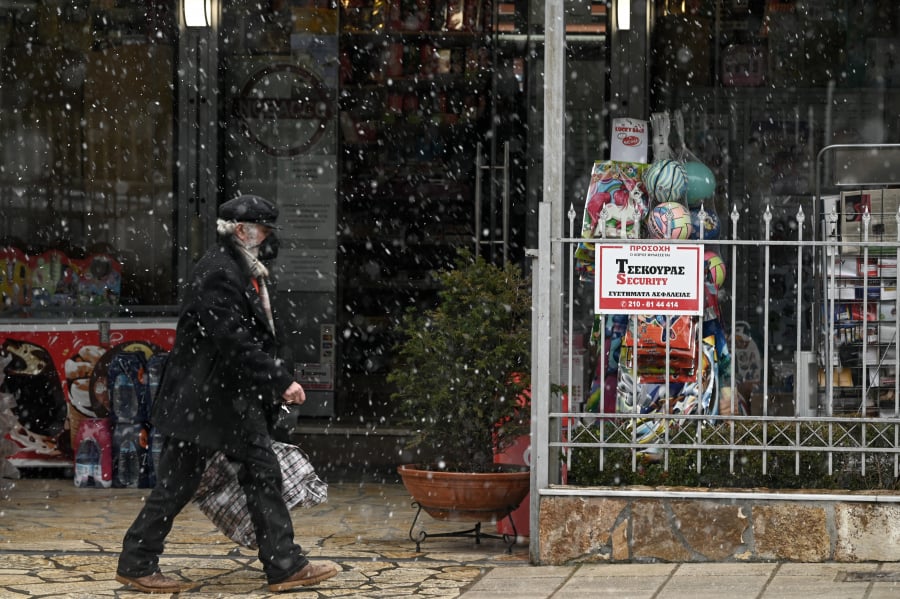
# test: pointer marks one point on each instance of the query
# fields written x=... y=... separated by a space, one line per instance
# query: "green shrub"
x=463 y=366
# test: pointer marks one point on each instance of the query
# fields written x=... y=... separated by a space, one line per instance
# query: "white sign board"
x=648 y=278
x=628 y=142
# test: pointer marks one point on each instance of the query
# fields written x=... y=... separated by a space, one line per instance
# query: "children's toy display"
x=659 y=363
x=602 y=395
x=715 y=269
x=700 y=180
x=666 y=181
x=615 y=205
x=665 y=178
x=669 y=220
x=660 y=128
x=705 y=223
x=53 y=279
x=668 y=368
x=13 y=278
x=701 y=183
x=628 y=142
x=616 y=198
x=99 y=281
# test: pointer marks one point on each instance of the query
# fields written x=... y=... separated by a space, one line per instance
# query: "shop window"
x=87 y=165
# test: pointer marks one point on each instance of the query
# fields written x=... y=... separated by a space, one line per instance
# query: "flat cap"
x=250 y=209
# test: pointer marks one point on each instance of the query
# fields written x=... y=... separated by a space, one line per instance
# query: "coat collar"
x=229 y=248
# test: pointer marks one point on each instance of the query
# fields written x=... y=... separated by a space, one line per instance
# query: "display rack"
x=858 y=307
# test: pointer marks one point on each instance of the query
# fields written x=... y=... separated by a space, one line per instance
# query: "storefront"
x=390 y=134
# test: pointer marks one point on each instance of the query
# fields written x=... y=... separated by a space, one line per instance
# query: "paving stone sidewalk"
x=57 y=540
x=60 y=541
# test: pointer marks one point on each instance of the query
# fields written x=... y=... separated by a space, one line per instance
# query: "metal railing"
x=795 y=411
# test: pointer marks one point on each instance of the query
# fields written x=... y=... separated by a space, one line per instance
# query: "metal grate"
x=791 y=414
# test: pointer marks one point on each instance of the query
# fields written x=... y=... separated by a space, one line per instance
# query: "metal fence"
x=825 y=390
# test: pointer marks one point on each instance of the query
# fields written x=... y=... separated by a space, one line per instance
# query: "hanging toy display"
x=669 y=220
x=665 y=178
x=667 y=364
x=705 y=221
x=615 y=198
x=660 y=127
x=700 y=182
x=715 y=269
x=666 y=181
x=615 y=206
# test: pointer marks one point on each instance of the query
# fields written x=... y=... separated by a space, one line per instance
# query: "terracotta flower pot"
x=468 y=496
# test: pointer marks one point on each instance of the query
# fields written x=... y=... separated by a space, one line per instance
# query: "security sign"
x=649 y=278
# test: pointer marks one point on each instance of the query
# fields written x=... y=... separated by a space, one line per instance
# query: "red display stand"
x=53 y=379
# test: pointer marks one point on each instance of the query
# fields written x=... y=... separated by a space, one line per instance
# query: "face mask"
x=261 y=248
x=268 y=249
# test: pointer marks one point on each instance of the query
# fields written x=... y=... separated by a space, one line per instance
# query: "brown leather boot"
x=307 y=575
x=155 y=583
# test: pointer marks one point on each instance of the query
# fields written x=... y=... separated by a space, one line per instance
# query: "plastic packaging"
x=156 y=444
x=93 y=454
x=131 y=444
x=128 y=389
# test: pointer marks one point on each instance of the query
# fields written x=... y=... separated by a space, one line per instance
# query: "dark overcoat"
x=222 y=383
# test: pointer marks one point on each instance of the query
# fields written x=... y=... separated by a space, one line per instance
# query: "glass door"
x=278 y=76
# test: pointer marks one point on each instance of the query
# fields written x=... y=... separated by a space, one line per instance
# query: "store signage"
x=315 y=377
x=648 y=278
x=629 y=140
x=284 y=109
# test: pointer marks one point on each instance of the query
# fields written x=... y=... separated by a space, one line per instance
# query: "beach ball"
x=666 y=181
x=711 y=226
x=701 y=183
x=715 y=268
x=669 y=220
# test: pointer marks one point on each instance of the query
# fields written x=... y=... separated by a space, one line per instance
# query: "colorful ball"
x=666 y=181
x=711 y=226
x=701 y=183
x=669 y=220
x=715 y=268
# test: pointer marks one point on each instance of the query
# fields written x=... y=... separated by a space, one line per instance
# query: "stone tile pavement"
x=57 y=540
x=690 y=581
x=60 y=541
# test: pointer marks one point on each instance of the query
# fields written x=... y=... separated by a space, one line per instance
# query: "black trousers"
x=181 y=466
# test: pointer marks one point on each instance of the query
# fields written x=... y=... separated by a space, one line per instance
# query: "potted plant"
x=462 y=380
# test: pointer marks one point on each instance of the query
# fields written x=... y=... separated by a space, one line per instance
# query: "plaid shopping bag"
x=222 y=500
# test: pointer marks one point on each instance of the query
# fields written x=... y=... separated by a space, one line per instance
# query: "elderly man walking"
x=222 y=390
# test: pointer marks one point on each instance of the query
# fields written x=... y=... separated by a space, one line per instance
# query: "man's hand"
x=294 y=394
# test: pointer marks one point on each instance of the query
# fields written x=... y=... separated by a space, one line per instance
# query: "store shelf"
x=860 y=300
